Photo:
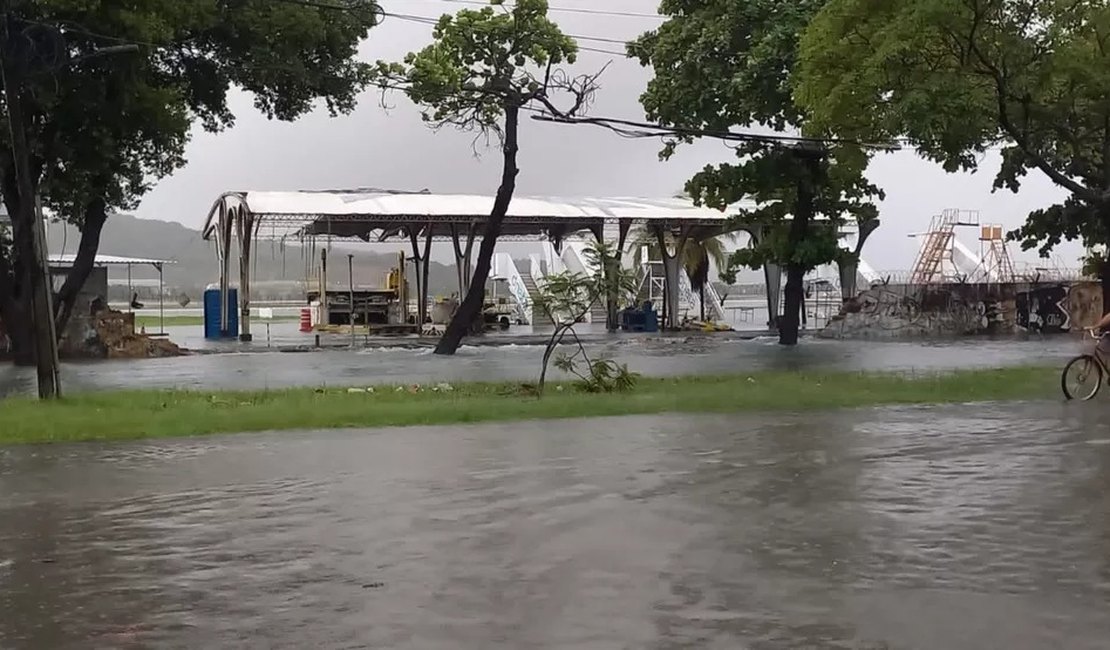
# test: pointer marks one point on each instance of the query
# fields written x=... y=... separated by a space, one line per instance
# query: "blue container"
x=212 y=314
x=644 y=319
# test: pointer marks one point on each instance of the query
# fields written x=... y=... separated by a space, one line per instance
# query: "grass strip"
x=129 y=415
x=152 y=322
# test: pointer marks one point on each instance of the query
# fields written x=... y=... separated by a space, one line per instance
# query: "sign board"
x=266 y=313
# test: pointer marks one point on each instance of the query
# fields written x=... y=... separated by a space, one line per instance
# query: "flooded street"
x=974 y=527
x=653 y=356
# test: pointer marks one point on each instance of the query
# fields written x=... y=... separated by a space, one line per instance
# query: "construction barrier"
x=306 y=320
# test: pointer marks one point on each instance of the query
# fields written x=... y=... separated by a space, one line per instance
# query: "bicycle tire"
x=1093 y=362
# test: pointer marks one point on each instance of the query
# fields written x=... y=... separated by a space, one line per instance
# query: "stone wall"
x=942 y=310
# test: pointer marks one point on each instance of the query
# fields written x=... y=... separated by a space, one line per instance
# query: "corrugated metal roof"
x=470 y=205
x=361 y=212
x=106 y=260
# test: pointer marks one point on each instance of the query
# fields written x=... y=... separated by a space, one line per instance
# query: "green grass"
x=159 y=414
x=152 y=322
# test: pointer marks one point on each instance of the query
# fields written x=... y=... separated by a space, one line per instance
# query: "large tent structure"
x=421 y=217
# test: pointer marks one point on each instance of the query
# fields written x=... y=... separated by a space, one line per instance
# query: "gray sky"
x=376 y=147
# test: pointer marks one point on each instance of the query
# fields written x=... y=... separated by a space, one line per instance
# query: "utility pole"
x=351 y=289
x=44 y=338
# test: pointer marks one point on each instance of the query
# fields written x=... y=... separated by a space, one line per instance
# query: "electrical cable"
x=558 y=9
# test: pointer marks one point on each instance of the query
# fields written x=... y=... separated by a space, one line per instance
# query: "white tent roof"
x=470 y=205
x=382 y=210
x=105 y=260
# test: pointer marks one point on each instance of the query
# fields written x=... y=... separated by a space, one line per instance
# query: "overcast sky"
x=380 y=148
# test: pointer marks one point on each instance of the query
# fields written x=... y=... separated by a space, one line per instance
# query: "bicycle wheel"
x=1082 y=378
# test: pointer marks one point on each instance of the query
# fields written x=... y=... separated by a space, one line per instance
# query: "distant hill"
x=277 y=273
x=195 y=259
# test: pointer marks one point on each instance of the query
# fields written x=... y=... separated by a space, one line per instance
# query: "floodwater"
x=654 y=356
x=970 y=527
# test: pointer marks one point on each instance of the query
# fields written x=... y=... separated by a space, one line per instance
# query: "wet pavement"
x=654 y=356
x=979 y=527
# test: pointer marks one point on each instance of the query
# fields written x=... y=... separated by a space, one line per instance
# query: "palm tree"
x=696 y=257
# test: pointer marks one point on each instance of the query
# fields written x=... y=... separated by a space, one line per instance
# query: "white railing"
x=575 y=260
x=535 y=269
x=715 y=310
x=504 y=268
x=689 y=305
x=554 y=261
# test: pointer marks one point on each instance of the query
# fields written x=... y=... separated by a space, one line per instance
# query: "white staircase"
x=599 y=313
x=689 y=301
x=504 y=268
x=540 y=319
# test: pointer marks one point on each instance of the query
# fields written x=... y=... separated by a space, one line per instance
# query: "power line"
x=74 y=28
x=426 y=20
x=630 y=128
x=429 y=20
x=567 y=10
x=332 y=6
x=71 y=28
x=603 y=51
x=319 y=4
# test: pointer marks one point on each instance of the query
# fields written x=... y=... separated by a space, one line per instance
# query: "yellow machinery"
x=382 y=310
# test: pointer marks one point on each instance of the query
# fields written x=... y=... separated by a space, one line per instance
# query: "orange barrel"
x=306 y=320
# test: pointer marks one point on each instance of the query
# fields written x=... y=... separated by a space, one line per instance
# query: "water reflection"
x=962 y=527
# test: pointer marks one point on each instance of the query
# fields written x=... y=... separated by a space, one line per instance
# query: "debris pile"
x=116 y=330
x=110 y=334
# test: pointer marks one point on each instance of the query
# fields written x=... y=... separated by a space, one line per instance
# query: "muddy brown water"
x=977 y=527
x=654 y=356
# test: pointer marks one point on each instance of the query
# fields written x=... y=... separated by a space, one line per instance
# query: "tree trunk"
x=792 y=307
x=804 y=211
x=15 y=286
x=96 y=214
x=17 y=325
x=10 y=317
x=471 y=307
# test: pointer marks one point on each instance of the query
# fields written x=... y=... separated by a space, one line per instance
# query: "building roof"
x=357 y=213
x=106 y=260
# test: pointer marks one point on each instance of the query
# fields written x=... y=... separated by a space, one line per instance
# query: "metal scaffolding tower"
x=935 y=262
x=997 y=265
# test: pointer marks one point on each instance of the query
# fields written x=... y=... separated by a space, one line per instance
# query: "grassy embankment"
x=152 y=322
x=158 y=414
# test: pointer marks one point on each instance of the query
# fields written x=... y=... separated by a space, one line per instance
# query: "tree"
x=102 y=130
x=720 y=64
x=484 y=68
x=696 y=258
x=957 y=77
x=566 y=298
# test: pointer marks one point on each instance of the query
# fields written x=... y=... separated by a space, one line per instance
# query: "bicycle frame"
x=1102 y=357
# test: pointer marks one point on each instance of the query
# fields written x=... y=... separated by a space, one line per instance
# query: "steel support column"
x=245 y=222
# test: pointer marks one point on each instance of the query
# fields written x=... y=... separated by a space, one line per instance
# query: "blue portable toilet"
x=212 y=314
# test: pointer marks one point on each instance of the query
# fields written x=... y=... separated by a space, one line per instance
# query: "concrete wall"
x=904 y=311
